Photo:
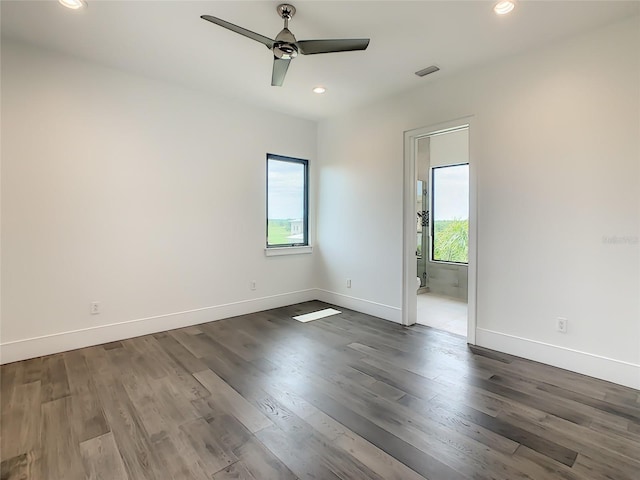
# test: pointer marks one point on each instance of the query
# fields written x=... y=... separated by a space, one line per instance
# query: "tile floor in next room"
x=442 y=312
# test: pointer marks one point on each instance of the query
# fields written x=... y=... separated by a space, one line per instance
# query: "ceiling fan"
x=285 y=46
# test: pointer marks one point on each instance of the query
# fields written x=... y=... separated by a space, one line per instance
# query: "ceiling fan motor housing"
x=285 y=45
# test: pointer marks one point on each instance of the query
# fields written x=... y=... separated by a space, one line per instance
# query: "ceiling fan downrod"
x=286 y=11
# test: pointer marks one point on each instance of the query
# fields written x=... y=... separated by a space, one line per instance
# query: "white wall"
x=140 y=195
x=556 y=146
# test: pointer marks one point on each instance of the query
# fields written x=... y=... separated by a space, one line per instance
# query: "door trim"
x=409 y=244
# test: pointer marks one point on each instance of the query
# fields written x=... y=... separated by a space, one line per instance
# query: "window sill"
x=277 y=251
x=444 y=262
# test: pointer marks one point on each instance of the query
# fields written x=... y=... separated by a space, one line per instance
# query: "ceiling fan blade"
x=242 y=31
x=311 y=47
x=280 y=67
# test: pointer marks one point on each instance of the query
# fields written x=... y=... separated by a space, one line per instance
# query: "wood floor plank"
x=231 y=433
x=417 y=460
x=576 y=437
x=54 y=379
x=179 y=353
x=458 y=390
x=307 y=439
x=400 y=379
x=465 y=443
x=61 y=456
x=610 y=429
x=161 y=399
x=175 y=398
x=20 y=421
x=102 y=460
x=112 y=345
x=239 y=342
x=307 y=466
x=244 y=377
x=519 y=435
x=588 y=467
x=182 y=461
x=460 y=452
x=235 y=471
x=89 y=421
x=212 y=454
x=22 y=467
x=633 y=428
x=547 y=374
x=373 y=457
x=448 y=417
x=11 y=377
x=232 y=401
x=623 y=411
x=175 y=373
x=261 y=463
x=192 y=330
x=139 y=396
x=586 y=405
x=541 y=467
x=148 y=360
x=630 y=398
x=32 y=369
x=547 y=405
x=420 y=362
x=495 y=460
x=197 y=345
x=137 y=451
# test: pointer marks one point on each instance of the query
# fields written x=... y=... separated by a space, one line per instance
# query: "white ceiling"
x=168 y=40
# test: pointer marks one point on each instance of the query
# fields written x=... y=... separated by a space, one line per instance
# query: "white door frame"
x=409 y=300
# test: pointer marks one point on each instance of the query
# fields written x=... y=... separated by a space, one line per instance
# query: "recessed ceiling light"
x=73 y=4
x=504 y=7
x=319 y=90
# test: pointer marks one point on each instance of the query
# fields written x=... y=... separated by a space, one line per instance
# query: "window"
x=287 y=201
x=450 y=208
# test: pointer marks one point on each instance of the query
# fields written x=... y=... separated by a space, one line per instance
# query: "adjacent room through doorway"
x=442 y=228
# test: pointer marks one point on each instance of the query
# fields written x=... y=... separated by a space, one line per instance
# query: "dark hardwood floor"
x=346 y=397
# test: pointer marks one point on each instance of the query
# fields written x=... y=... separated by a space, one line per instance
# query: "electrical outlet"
x=252 y=285
x=94 y=308
x=561 y=324
x=348 y=283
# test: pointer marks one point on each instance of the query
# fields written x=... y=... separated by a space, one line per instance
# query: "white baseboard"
x=387 y=312
x=616 y=371
x=63 y=341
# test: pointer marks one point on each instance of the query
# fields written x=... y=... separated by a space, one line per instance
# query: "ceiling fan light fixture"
x=319 y=90
x=504 y=7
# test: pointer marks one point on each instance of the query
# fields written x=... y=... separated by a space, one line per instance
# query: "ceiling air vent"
x=426 y=71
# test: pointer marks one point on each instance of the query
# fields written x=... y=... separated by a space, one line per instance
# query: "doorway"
x=439 y=229
x=442 y=212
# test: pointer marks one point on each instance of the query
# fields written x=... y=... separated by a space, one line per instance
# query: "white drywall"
x=140 y=195
x=556 y=145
